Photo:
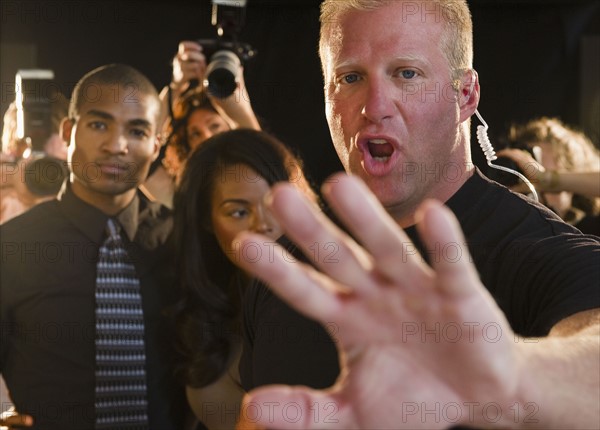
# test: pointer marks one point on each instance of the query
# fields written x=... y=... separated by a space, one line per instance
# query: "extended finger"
x=394 y=254
x=300 y=285
x=191 y=57
x=188 y=46
x=440 y=230
x=331 y=250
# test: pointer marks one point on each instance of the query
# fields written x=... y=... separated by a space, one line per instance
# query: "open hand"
x=420 y=346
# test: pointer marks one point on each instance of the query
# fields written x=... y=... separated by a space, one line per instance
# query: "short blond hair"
x=456 y=43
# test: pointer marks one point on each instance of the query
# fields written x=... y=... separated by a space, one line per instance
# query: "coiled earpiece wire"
x=490 y=155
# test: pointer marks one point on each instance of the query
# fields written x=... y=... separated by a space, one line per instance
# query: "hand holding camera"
x=214 y=66
x=215 y=63
x=189 y=65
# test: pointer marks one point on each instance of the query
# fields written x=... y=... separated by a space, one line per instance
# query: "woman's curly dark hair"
x=176 y=131
x=207 y=318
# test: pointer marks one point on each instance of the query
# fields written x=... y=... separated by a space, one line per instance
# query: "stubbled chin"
x=385 y=188
x=396 y=200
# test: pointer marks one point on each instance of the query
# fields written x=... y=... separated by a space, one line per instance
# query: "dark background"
x=533 y=57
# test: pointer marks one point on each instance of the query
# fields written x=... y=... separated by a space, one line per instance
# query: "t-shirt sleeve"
x=538 y=269
x=555 y=277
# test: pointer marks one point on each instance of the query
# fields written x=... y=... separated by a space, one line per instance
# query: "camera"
x=226 y=54
x=43 y=174
x=34 y=111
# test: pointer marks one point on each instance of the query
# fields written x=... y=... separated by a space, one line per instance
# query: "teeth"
x=378 y=141
x=381 y=158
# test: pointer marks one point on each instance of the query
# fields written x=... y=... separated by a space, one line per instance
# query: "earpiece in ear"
x=468 y=92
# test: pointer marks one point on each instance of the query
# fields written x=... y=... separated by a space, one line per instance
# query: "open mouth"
x=380 y=149
x=380 y=154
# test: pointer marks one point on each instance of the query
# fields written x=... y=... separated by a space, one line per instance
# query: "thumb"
x=283 y=407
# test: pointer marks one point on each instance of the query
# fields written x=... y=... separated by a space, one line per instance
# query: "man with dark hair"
x=85 y=278
x=121 y=81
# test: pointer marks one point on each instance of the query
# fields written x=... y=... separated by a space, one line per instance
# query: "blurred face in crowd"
x=393 y=109
x=112 y=143
x=237 y=205
x=203 y=124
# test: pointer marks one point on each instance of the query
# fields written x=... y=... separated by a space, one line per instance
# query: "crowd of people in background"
x=242 y=277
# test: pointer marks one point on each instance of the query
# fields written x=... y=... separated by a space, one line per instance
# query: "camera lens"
x=221 y=74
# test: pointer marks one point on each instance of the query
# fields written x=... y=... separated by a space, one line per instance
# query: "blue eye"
x=408 y=74
x=350 y=78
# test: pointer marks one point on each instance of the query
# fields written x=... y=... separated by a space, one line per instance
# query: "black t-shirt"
x=538 y=269
x=590 y=224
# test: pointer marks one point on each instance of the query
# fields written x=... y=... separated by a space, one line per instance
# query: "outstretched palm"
x=427 y=345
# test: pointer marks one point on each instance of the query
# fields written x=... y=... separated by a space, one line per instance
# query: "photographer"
x=29 y=177
x=567 y=171
x=179 y=113
x=189 y=69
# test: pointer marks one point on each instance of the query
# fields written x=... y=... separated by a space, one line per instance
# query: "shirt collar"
x=91 y=221
x=463 y=199
x=128 y=218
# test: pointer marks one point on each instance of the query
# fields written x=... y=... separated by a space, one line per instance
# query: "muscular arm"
x=563 y=374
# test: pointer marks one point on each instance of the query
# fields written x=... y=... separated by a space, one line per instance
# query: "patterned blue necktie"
x=121 y=401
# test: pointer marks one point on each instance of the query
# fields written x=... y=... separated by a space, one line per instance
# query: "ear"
x=66 y=128
x=156 y=149
x=468 y=94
